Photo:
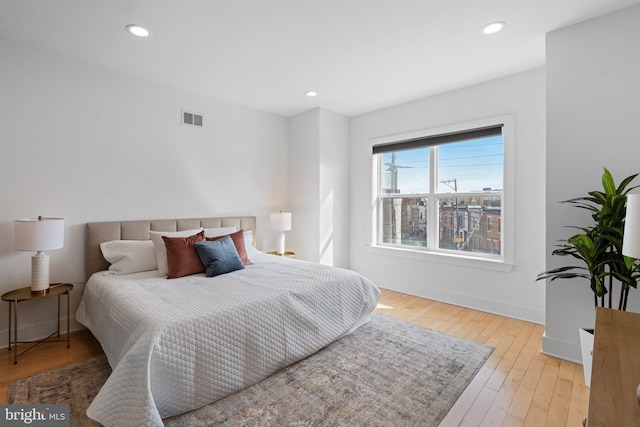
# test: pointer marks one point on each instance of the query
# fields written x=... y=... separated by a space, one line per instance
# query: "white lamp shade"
x=281 y=221
x=39 y=234
x=631 y=243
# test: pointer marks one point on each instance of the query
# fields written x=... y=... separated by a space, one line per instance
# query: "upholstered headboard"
x=98 y=232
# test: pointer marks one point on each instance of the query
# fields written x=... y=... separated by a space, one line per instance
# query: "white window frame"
x=504 y=262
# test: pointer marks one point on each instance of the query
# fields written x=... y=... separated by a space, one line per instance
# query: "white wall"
x=302 y=184
x=318 y=187
x=88 y=144
x=593 y=87
x=334 y=189
x=513 y=293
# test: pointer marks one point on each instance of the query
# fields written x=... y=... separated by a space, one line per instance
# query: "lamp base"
x=280 y=247
x=39 y=273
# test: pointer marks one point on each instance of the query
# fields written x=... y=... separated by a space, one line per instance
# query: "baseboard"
x=561 y=349
x=467 y=301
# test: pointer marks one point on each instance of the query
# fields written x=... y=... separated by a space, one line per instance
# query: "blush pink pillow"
x=238 y=242
x=182 y=258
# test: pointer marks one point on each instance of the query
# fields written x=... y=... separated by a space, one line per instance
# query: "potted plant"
x=599 y=248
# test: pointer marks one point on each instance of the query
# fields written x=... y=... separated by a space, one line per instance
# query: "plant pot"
x=586 y=345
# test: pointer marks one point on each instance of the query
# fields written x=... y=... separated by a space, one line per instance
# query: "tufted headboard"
x=98 y=232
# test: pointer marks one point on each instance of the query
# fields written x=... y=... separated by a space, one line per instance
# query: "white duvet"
x=177 y=345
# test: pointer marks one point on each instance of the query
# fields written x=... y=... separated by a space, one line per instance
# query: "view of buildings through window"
x=462 y=181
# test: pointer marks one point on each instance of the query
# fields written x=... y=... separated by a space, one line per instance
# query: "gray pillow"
x=219 y=256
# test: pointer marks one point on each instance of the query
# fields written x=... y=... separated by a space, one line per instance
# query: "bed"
x=179 y=344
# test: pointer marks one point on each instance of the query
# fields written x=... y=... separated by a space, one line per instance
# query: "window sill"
x=444 y=258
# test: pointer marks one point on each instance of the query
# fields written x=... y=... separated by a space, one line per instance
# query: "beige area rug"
x=387 y=373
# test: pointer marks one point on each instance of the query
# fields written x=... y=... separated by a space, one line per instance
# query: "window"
x=442 y=193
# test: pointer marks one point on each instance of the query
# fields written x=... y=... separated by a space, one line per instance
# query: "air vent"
x=190 y=118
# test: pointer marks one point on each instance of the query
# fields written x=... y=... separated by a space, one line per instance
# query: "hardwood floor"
x=45 y=357
x=517 y=386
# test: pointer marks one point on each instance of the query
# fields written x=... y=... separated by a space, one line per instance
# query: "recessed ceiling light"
x=494 y=27
x=311 y=93
x=138 y=30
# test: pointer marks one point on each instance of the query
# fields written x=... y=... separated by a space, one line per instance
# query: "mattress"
x=177 y=345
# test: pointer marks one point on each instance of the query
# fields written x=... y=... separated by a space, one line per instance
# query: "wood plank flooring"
x=44 y=357
x=517 y=386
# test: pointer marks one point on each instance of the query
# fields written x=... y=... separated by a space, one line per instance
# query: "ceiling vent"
x=190 y=118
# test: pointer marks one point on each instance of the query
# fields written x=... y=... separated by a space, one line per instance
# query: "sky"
x=474 y=165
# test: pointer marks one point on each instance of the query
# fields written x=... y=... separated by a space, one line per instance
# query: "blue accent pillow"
x=219 y=256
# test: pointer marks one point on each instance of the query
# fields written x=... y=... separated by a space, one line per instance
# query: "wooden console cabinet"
x=615 y=373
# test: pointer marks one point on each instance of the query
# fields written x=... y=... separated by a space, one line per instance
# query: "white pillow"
x=220 y=231
x=129 y=256
x=248 y=243
x=161 y=249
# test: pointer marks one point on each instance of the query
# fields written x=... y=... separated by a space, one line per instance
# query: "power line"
x=466 y=166
x=471 y=157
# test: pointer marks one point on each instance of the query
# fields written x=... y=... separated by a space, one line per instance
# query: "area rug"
x=386 y=373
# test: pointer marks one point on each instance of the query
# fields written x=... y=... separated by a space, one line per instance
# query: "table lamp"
x=281 y=222
x=631 y=242
x=39 y=234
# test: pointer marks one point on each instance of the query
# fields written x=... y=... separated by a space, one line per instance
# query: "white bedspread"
x=177 y=345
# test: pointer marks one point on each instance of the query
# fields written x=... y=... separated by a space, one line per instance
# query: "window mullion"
x=432 y=223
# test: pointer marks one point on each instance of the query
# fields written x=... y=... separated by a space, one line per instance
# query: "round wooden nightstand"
x=24 y=295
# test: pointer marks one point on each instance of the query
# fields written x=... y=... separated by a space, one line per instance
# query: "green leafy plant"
x=599 y=246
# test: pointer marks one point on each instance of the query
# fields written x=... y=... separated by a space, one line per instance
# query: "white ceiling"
x=360 y=55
